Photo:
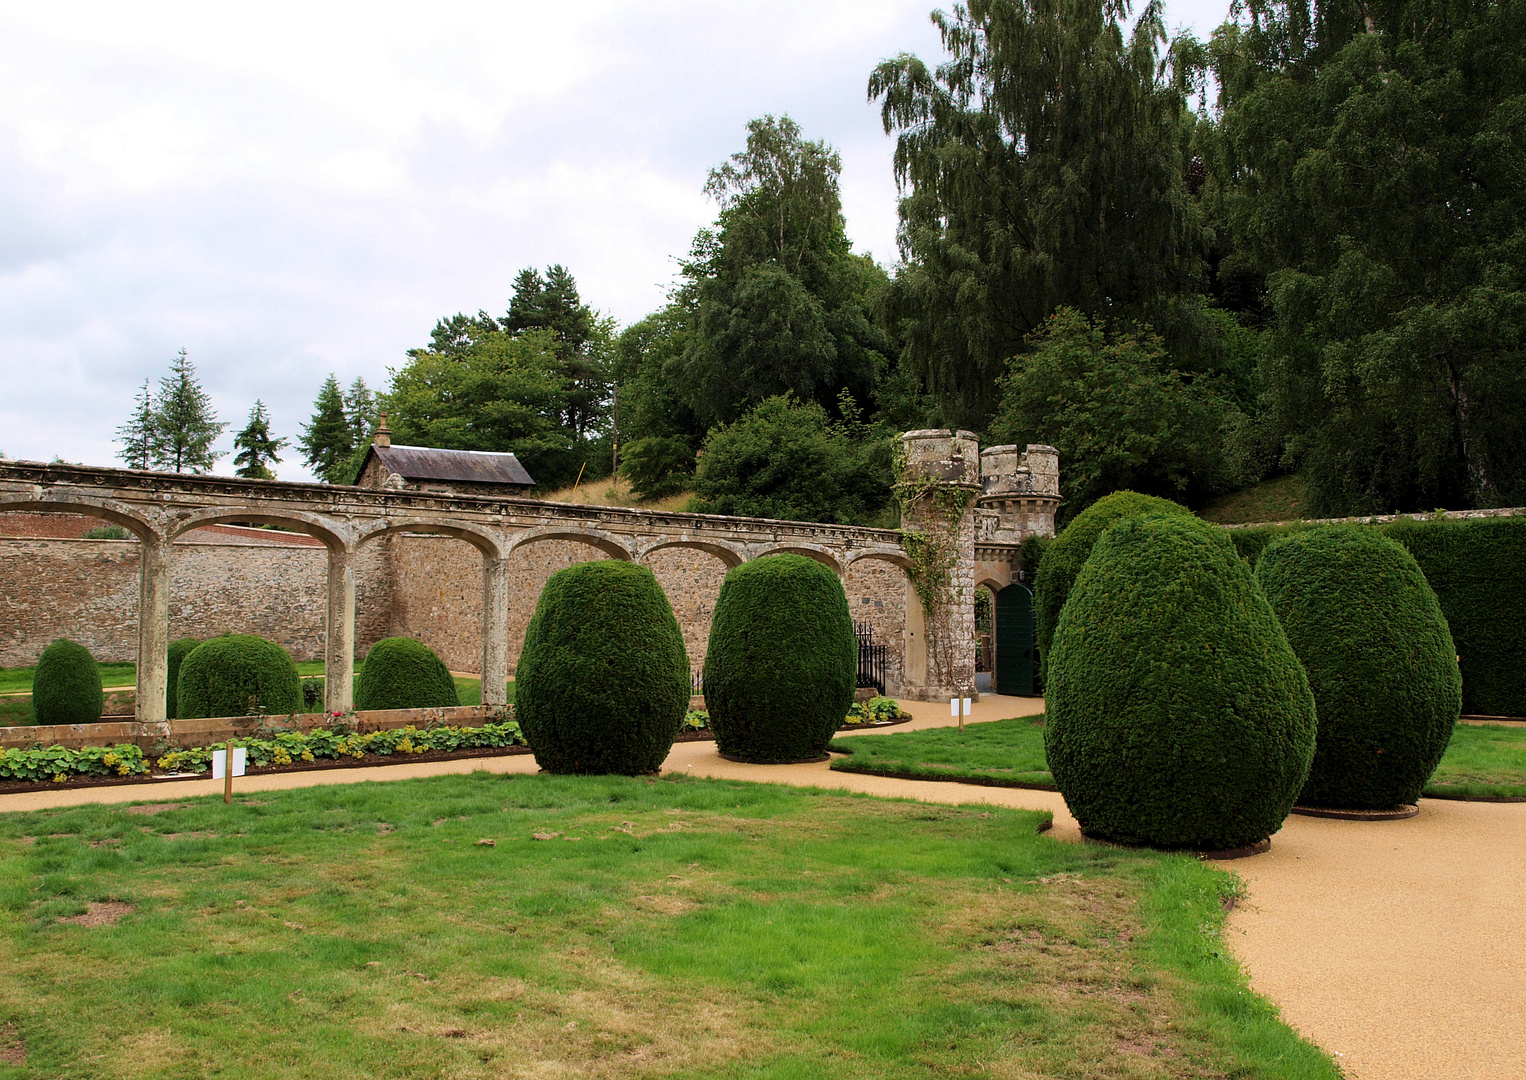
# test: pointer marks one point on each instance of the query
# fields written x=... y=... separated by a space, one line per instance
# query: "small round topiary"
x=1067 y=553
x=404 y=673
x=1178 y=716
x=66 y=688
x=1369 y=631
x=178 y=651
x=603 y=678
x=782 y=661
x=237 y=675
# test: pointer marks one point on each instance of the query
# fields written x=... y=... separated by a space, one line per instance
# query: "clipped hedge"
x=1380 y=661
x=237 y=675
x=1178 y=716
x=782 y=660
x=603 y=678
x=1475 y=568
x=66 y=687
x=1063 y=557
x=178 y=651
x=404 y=673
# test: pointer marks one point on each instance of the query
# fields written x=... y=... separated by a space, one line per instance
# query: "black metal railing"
x=872 y=658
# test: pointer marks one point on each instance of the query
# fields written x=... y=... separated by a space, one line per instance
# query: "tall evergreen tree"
x=186 y=425
x=552 y=303
x=257 y=450
x=140 y=435
x=1043 y=164
x=328 y=441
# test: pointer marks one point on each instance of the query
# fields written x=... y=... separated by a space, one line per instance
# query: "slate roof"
x=455 y=466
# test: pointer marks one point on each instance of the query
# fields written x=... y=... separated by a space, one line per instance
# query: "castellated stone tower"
x=965 y=512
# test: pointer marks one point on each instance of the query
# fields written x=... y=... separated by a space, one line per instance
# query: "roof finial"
x=383 y=436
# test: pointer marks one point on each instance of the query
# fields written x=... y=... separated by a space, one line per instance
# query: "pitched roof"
x=459 y=466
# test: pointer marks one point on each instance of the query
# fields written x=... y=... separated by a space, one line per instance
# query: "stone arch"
x=608 y=543
x=336 y=536
x=731 y=555
x=111 y=510
x=490 y=542
x=893 y=555
x=823 y=555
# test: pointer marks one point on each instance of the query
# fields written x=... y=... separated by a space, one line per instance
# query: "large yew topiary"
x=1178 y=716
x=782 y=661
x=66 y=687
x=178 y=651
x=237 y=675
x=1369 y=631
x=603 y=678
x=404 y=673
x=1067 y=553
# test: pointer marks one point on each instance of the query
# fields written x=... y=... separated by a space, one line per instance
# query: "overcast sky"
x=290 y=189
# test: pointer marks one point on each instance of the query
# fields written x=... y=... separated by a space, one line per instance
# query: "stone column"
x=339 y=643
x=495 y=629
x=939 y=482
x=153 y=635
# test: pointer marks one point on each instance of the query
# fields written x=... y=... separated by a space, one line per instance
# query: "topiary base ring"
x=1395 y=813
x=795 y=761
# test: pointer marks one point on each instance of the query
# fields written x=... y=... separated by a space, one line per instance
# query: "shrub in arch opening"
x=782 y=660
x=237 y=675
x=1380 y=659
x=603 y=678
x=404 y=673
x=1178 y=716
x=179 y=649
x=66 y=687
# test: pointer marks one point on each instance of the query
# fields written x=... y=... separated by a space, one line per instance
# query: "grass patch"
x=660 y=928
x=18 y=680
x=1483 y=761
x=612 y=491
x=1281 y=499
x=1000 y=753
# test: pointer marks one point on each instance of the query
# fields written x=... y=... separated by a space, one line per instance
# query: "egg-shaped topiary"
x=178 y=651
x=404 y=673
x=1369 y=631
x=1064 y=556
x=66 y=687
x=603 y=679
x=1178 y=716
x=782 y=661
x=237 y=675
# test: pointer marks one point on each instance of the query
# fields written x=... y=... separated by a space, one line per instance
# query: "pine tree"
x=328 y=441
x=360 y=412
x=140 y=435
x=256 y=449
x=187 y=426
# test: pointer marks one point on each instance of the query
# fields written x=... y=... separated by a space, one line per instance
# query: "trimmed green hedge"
x=1063 y=557
x=178 y=651
x=1178 y=716
x=66 y=687
x=1477 y=569
x=238 y=675
x=603 y=679
x=782 y=661
x=1370 y=635
x=404 y=673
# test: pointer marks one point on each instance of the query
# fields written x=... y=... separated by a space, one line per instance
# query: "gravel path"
x=1397 y=946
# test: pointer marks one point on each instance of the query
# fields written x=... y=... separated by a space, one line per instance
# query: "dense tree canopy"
x=1042 y=164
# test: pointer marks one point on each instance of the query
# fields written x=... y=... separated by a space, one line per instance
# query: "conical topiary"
x=404 y=673
x=178 y=651
x=1178 y=716
x=603 y=679
x=238 y=675
x=66 y=687
x=1369 y=631
x=1067 y=553
x=782 y=661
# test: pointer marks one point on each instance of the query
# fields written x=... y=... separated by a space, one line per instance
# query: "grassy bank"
x=1482 y=761
x=613 y=927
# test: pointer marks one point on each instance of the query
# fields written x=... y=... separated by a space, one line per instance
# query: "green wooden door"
x=1013 y=619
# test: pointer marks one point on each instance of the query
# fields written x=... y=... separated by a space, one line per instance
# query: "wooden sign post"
x=229 y=763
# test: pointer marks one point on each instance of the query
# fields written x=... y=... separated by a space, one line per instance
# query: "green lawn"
x=674 y=927
x=1482 y=761
x=18 y=680
x=1003 y=753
